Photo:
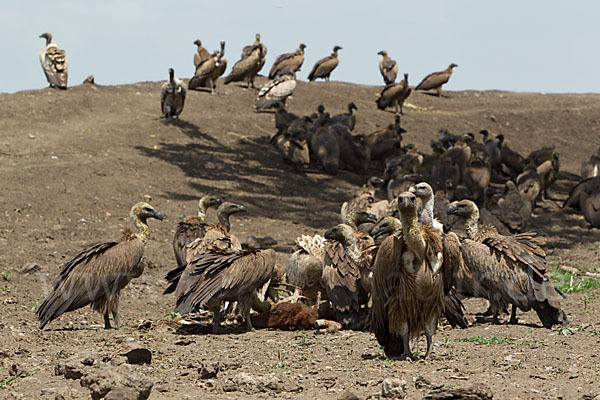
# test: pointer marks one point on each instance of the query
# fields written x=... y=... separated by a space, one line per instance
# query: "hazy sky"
x=521 y=45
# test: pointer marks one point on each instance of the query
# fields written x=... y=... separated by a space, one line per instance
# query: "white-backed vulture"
x=387 y=143
x=54 y=63
x=192 y=228
x=305 y=266
x=275 y=91
x=435 y=80
x=477 y=176
x=247 y=51
x=385 y=227
x=412 y=271
x=172 y=96
x=591 y=167
x=388 y=68
x=288 y=63
x=507 y=269
x=245 y=69
x=348 y=119
x=493 y=151
x=201 y=54
x=97 y=274
x=209 y=71
x=529 y=182
x=325 y=66
x=363 y=199
x=585 y=196
x=346 y=269
x=510 y=158
x=294 y=149
x=217 y=276
x=215 y=235
x=424 y=192
x=548 y=172
x=394 y=94
x=283 y=117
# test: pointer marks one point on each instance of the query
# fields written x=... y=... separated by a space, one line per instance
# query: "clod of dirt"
x=102 y=382
x=122 y=393
x=393 y=389
x=209 y=372
x=139 y=356
x=422 y=382
x=15 y=370
x=254 y=384
x=348 y=396
x=30 y=268
x=70 y=369
x=261 y=242
x=477 y=392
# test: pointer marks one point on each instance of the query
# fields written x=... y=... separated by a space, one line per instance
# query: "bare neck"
x=471 y=226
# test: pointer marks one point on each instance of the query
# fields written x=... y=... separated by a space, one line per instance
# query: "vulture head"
x=500 y=138
x=484 y=133
x=465 y=209
x=422 y=190
x=342 y=233
x=208 y=201
x=47 y=36
x=225 y=210
x=510 y=187
x=142 y=211
x=336 y=48
x=352 y=106
x=356 y=217
x=171 y=74
x=198 y=43
x=375 y=182
x=257 y=37
x=386 y=226
x=383 y=53
x=452 y=66
x=302 y=46
x=407 y=204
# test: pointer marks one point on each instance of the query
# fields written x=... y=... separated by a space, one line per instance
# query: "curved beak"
x=412 y=189
x=376 y=232
x=452 y=208
x=328 y=234
x=371 y=218
x=242 y=209
x=157 y=214
x=219 y=202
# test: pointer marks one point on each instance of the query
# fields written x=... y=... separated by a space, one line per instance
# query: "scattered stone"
x=327 y=326
x=393 y=388
x=348 y=395
x=477 y=392
x=69 y=369
x=30 y=268
x=147 y=198
x=89 y=361
x=184 y=342
x=145 y=325
x=102 y=382
x=251 y=384
x=422 y=382
x=139 y=356
x=48 y=391
x=209 y=372
x=89 y=80
x=122 y=393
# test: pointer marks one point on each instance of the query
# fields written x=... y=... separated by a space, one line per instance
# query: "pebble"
x=47 y=391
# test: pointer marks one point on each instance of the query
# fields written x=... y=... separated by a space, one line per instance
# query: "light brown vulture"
x=424 y=192
x=275 y=91
x=246 y=68
x=385 y=227
x=510 y=158
x=512 y=208
x=247 y=51
x=507 y=269
x=435 y=80
x=201 y=55
x=172 y=96
x=305 y=266
x=388 y=68
x=288 y=63
x=413 y=270
x=363 y=199
x=394 y=94
x=346 y=269
x=591 y=167
x=219 y=275
x=585 y=196
x=215 y=235
x=54 y=63
x=548 y=172
x=97 y=274
x=192 y=228
x=208 y=72
x=325 y=66
x=529 y=182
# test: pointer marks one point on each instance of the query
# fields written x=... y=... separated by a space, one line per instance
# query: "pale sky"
x=517 y=45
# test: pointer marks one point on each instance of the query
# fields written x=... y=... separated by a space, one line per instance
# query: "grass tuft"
x=569 y=282
x=487 y=340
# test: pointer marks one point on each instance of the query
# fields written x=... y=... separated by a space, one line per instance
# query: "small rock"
x=69 y=370
x=89 y=79
x=122 y=393
x=30 y=268
x=393 y=388
x=147 y=198
x=209 y=372
x=348 y=395
x=48 y=391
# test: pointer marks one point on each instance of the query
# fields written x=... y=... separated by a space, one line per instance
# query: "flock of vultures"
x=454 y=224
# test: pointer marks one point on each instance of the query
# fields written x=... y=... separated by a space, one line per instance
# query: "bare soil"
x=73 y=162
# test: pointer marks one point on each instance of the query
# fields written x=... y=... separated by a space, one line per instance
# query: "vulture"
x=388 y=68
x=507 y=269
x=513 y=208
x=201 y=55
x=585 y=196
x=529 y=183
x=275 y=91
x=510 y=158
x=54 y=63
x=172 y=96
x=363 y=199
x=192 y=228
x=288 y=63
x=326 y=148
x=247 y=67
x=215 y=235
x=306 y=266
x=385 y=227
x=208 y=72
x=346 y=269
x=323 y=68
x=216 y=276
x=548 y=172
x=347 y=119
x=412 y=272
x=435 y=80
x=247 y=51
x=424 y=192
x=591 y=167
x=394 y=93
x=97 y=274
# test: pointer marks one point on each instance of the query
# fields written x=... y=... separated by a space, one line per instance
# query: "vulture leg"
x=513 y=316
x=429 y=332
x=439 y=91
x=245 y=304
x=397 y=107
x=107 y=321
x=406 y=354
x=215 y=307
x=116 y=319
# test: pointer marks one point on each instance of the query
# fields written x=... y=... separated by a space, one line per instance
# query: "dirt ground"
x=73 y=162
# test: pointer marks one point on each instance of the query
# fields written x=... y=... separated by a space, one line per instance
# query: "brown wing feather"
x=186 y=232
x=225 y=276
x=433 y=80
x=96 y=273
x=323 y=67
